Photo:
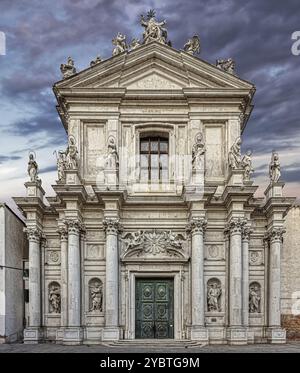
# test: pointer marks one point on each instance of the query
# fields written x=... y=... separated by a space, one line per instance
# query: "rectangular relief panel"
x=94 y=149
x=214 y=157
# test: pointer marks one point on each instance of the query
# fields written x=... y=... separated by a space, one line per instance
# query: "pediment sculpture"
x=153 y=243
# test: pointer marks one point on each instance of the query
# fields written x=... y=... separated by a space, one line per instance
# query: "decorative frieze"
x=153 y=243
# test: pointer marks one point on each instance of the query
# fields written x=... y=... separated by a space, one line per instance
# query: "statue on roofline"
x=154 y=31
x=68 y=69
x=192 y=46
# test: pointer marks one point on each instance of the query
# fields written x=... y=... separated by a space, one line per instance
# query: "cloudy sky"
x=41 y=34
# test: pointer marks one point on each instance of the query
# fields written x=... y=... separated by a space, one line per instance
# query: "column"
x=32 y=333
x=196 y=228
x=64 y=275
x=111 y=331
x=74 y=273
x=245 y=278
x=275 y=333
x=236 y=333
x=73 y=333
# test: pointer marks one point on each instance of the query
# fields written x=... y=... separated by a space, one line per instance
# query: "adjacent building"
x=13 y=251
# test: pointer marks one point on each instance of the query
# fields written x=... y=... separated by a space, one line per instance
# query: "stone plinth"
x=72 y=177
x=274 y=189
x=34 y=189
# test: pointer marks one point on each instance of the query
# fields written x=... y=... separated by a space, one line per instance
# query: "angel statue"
x=274 y=168
x=32 y=168
x=120 y=44
x=192 y=46
x=234 y=156
x=153 y=30
x=71 y=154
x=68 y=69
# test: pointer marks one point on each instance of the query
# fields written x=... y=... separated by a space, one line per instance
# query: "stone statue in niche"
x=226 y=65
x=254 y=298
x=192 y=46
x=96 y=295
x=32 y=168
x=120 y=44
x=68 y=69
x=112 y=159
x=153 y=30
x=198 y=152
x=54 y=298
x=247 y=165
x=234 y=157
x=274 y=168
x=214 y=292
x=71 y=154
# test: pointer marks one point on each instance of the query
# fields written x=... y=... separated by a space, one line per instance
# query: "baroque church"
x=154 y=231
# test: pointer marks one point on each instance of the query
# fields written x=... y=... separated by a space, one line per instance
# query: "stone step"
x=155 y=343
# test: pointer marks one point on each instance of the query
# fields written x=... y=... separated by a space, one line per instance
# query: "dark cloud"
x=257 y=34
x=5 y=158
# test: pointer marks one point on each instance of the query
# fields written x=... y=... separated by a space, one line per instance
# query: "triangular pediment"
x=154 y=67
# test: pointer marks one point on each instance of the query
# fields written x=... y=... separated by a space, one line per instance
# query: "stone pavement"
x=49 y=348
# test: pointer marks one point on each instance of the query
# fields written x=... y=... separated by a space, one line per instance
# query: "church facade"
x=154 y=232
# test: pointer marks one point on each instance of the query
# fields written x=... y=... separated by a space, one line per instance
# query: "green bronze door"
x=154 y=308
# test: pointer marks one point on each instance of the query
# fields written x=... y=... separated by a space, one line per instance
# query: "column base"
x=73 y=335
x=33 y=335
x=276 y=335
x=111 y=333
x=237 y=335
x=199 y=333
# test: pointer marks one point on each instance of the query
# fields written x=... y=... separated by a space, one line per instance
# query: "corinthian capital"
x=63 y=232
x=275 y=234
x=235 y=226
x=246 y=232
x=197 y=225
x=74 y=226
x=33 y=234
x=111 y=225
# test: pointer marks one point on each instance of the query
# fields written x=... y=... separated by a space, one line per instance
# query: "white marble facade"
x=108 y=226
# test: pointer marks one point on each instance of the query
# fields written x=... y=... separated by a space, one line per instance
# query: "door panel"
x=154 y=308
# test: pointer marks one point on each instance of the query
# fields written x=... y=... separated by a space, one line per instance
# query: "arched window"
x=154 y=158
